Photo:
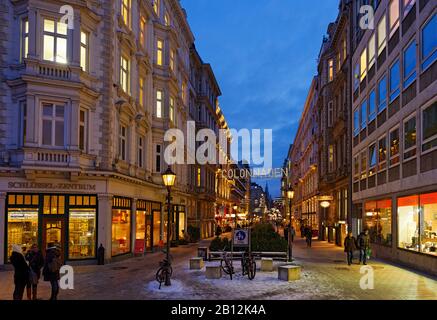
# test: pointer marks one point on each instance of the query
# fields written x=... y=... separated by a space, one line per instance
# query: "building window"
x=183 y=93
x=372 y=48
x=199 y=177
x=356 y=77
x=159 y=98
x=159 y=52
x=54 y=205
x=408 y=4
x=124 y=74
x=121 y=231
x=410 y=64
x=372 y=106
x=55 y=41
x=158 y=158
x=125 y=12
x=372 y=159
x=363 y=63
x=417 y=223
x=23 y=123
x=331 y=69
x=141 y=152
x=394 y=16
x=141 y=90
x=429 y=42
x=143 y=32
x=156 y=6
x=382 y=35
x=83 y=129
x=410 y=138
x=53 y=125
x=84 y=50
x=382 y=94
x=172 y=60
x=331 y=158
x=363 y=164
x=378 y=219
x=382 y=153
x=429 y=127
x=24 y=38
x=122 y=143
x=330 y=113
x=356 y=122
x=171 y=111
x=364 y=115
x=394 y=147
x=22 y=224
x=394 y=81
x=344 y=49
x=167 y=19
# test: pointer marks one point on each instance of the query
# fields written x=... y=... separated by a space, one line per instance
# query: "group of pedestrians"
x=27 y=270
x=362 y=243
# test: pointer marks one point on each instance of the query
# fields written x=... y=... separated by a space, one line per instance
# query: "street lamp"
x=290 y=195
x=168 y=177
x=325 y=205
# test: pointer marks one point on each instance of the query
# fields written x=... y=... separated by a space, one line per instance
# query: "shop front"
x=121 y=226
x=66 y=220
x=147 y=226
x=378 y=221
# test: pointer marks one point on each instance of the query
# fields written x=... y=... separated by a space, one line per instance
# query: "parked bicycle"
x=248 y=264
x=165 y=270
x=226 y=264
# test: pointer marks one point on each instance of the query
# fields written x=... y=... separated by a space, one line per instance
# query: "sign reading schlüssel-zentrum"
x=51 y=186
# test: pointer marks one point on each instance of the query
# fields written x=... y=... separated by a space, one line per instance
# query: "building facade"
x=395 y=131
x=304 y=155
x=84 y=108
x=334 y=105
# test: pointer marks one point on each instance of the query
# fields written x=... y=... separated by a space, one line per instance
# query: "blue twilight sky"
x=263 y=53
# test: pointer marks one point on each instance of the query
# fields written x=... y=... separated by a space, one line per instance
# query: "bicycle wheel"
x=225 y=267
x=251 y=272
x=160 y=276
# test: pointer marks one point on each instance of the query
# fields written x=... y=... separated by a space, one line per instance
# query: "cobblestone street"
x=325 y=275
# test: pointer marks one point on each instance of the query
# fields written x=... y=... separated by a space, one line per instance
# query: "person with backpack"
x=36 y=262
x=52 y=268
x=21 y=271
x=363 y=242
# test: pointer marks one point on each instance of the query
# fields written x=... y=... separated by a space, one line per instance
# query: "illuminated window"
x=382 y=35
x=363 y=64
x=167 y=19
x=122 y=143
x=183 y=93
x=54 y=204
x=125 y=74
x=24 y=38
x=125 y=11
x=372 y=159
x=141 y=90
x=159 y=52
x=356 y=77
x=171 y=113
x=172 y=60
x=22 y=227
x=394 y=16
x=156 y=6
x=382 y=94
x=331 y=158
x=55 y=41
x=382 y=153
x=331 y=69
x=363 y=164
x=372 y=48
x=199 y=180
x=121 y=231
x=84 y=50
x=83 y=129
x=142 y=31
x=53 y=125
x=159 y=98
x=394 y=147
x=82 y=233
x=378 y=221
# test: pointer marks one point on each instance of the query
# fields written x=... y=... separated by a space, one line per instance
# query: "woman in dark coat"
x=349 y=247
x=51 y=270
x=21 y=274
x=36 y=262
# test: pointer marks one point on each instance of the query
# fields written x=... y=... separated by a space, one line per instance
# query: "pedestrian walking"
x=349 y=247
x=309 y=236
x=363 y=242
x=21 y=271
x=51 y=269
x=292 y=233
x=36 y=261
x=302 y=231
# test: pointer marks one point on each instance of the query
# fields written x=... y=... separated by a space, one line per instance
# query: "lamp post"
x=325 y=205
x=290 y=196
x=168 y=177
x=235 y=207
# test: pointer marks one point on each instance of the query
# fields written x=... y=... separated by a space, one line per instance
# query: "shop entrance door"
x=53 y=231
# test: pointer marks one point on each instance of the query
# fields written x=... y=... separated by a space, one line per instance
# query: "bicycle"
x=165 y=270
x=248 y=264
x=227 y=267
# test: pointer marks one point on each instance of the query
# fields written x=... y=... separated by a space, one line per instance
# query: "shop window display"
x=121 y=232
x=378 y=220
x=82 y=234
x=22 y=228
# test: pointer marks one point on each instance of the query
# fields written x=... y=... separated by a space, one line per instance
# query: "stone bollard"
x=213 y=272
x=289 y=273
x=267 y=264
x=196 y=263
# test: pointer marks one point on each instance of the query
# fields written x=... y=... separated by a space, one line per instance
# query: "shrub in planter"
x=264 y=238
x=218 y=231
x=194 y=233
x=219 y=244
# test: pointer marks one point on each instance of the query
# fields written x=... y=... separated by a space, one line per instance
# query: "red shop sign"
x=430 y=198
x=408 y=201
